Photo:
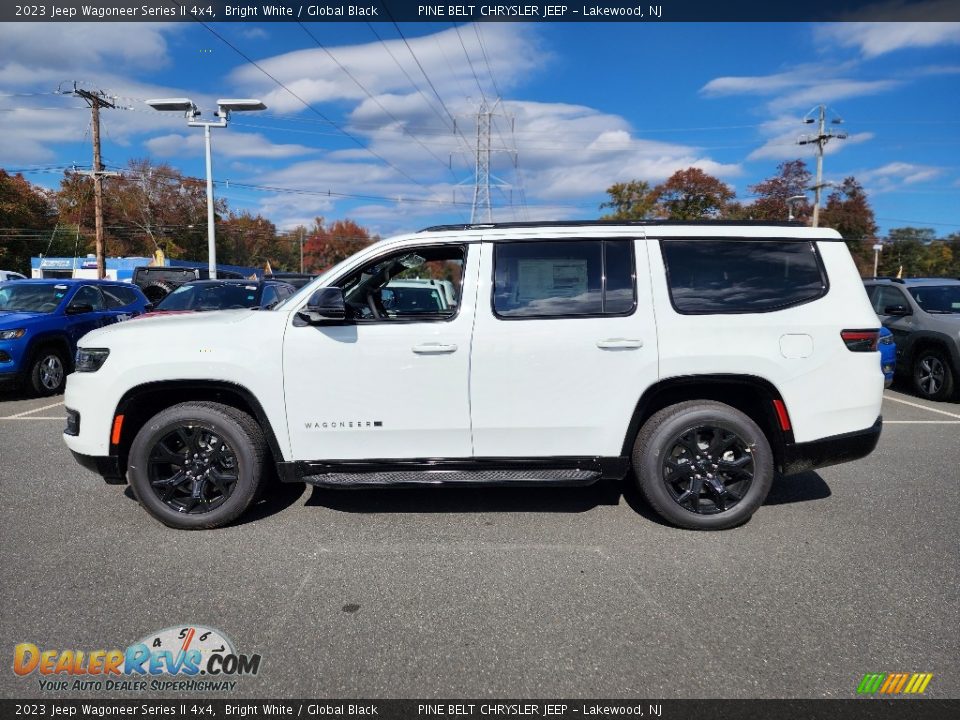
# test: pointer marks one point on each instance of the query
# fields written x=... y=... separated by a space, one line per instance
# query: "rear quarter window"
x=117 y=296
x=721 y=276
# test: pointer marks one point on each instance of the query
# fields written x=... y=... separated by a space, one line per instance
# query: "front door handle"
x=434 y=348
x=619 y=343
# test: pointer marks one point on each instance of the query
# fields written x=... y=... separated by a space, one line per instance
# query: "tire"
x=717 y=479
x=933 y=378
x=157 y=291
x=179 y=444
x=48 y=371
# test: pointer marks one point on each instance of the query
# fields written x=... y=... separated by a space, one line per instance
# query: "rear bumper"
x=109 y=467
x=833 y=450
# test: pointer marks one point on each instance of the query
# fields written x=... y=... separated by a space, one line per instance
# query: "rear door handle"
x=434 y=348
x=619 y=343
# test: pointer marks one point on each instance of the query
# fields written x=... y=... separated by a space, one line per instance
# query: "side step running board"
x=453 y=477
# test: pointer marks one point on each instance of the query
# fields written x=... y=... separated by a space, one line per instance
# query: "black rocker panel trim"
x=601 y=467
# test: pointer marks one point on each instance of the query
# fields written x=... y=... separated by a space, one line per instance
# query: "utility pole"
x=96 y=100
x=820 y=140
x=303 y=231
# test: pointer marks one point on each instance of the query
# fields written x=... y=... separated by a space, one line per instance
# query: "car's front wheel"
x=48 y=371
x=932 y=374
x=197 y=465
x=703 y=465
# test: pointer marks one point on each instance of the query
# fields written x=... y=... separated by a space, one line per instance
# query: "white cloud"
x=901 y=25
x=229 y=144
x=798 y=88
x=896 y=174
x=513 y=50
x=68 y=47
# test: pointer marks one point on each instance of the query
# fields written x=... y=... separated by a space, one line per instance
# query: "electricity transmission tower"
x=820 y=140
x=481 y=209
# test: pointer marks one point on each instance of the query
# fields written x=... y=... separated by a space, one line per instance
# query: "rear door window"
x=564 y=278
x=727 y=276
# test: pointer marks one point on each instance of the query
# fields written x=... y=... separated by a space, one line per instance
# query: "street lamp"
x=790 y=201
x=191 y=113
x=876 y=257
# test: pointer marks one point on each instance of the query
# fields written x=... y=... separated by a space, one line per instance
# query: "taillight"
x=860 y=340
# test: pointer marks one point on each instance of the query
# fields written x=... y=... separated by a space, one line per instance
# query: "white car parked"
x=698 y=359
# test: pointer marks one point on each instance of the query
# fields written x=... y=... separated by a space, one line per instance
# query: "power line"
x=356 y=140
x=483 y=95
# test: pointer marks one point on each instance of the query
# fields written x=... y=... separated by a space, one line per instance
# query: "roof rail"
x=604 y=223
x=890 y=278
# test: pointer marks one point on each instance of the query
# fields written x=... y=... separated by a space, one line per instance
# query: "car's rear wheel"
x=197 y=465
x=932 y=374
x=703 y=465
x=48 y=371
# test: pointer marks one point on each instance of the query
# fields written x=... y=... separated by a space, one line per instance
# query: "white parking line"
x=921 y=422
x=47 y=407
x=34 y=418
x=922 y=407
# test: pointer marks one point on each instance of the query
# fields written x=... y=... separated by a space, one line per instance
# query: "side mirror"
x=896 y=310
x=324 y=307
x=79 y=309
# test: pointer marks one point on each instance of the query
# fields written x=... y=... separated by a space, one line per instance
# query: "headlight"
x=11 y=334
x=90 y=359
x=888 y=340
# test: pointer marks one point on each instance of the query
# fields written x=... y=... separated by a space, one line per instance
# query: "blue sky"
x=584 y=105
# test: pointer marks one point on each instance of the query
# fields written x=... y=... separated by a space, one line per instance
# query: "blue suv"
x=41 y=321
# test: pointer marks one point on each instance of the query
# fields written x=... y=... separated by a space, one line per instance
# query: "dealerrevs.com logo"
x=185 y=658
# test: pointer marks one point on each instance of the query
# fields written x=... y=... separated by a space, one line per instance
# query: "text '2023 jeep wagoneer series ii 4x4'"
x=697 y=360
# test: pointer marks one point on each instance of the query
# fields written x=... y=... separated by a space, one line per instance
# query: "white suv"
x=703 y=357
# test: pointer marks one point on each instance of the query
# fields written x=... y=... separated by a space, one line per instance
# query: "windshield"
x=937 y=299
x=39 y=298
x=211 y=297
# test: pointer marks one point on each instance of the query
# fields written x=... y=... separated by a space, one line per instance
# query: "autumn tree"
x=632 y=200
x=26 y=219
x=848 y=211
x=692 y=194
x=326 y=245
x=148 y=207
x=792 y=180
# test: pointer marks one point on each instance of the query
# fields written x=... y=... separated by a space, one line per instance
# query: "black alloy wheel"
x=192 y=469
x=708 y=469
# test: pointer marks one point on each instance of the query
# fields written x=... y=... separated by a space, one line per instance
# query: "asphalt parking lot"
x=493 y=593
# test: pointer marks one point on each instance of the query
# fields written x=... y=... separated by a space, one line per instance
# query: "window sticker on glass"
x=551 y=277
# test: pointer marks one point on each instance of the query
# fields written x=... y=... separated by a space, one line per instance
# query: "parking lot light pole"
x=790 y=201
x=876 y=257
x=190 y=111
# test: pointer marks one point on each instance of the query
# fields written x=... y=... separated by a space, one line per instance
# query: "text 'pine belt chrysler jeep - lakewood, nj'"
x=699 y=359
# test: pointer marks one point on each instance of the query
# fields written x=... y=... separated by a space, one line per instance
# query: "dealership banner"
x=390 y=11
x=483 y=709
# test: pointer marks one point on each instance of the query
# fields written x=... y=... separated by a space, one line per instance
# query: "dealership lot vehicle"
x=159 y=281
x=924 y=316
x=888 y=356
x=7 y=275
x=42 y=320
x=455 y=591
x=549 y=368
x=298 y=280
x=206 y=295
